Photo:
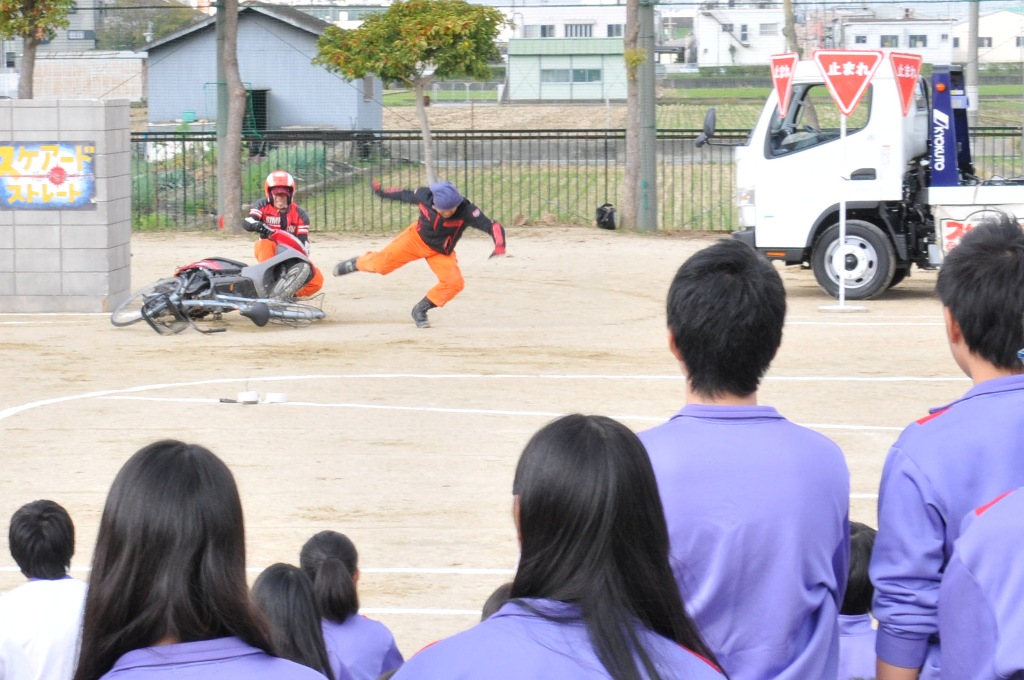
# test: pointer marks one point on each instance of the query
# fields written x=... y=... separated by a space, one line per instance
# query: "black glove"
x=250 y=224
x=263 y=230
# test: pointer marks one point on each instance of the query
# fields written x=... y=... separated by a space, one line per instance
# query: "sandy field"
x=406 y=439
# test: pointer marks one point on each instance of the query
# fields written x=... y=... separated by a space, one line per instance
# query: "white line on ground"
x=486 y=412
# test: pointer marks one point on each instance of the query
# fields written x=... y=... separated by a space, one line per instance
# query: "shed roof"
x=282 y=13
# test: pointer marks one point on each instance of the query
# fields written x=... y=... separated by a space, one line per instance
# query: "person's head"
x=446 y=198
x=593 y=533
x=280 y=189
x=859 y=590
x=169 y=562
x=285 y=595
x=726 y=309
x=981 y=285
x=42 y=540
x=500 y=596
x=331 y=562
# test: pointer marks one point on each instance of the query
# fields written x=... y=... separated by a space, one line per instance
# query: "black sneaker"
x=345 y=267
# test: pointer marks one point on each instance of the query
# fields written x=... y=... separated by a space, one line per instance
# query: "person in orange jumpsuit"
x=444 y=216
x=279 y=211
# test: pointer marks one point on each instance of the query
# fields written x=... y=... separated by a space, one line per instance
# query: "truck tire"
x=871 y=262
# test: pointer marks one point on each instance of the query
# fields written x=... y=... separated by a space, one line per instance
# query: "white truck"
x=908 y=181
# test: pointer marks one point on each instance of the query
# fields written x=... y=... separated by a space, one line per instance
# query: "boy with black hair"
x=756 y=505
x=856 y=636
x=959 y=457
x=44 y=616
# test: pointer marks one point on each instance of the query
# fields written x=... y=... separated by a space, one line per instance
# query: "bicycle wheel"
x=130 y=311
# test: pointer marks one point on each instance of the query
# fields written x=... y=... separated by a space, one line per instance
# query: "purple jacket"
x=856 y=647
x=981 y=617
x=942 y=467
x=220 y=659
x=518 y=644
x=757 y=517
x=365 y=646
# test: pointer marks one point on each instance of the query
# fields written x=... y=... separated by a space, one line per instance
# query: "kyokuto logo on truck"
x=940 y=128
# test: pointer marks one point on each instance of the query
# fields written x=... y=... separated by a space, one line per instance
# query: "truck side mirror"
x=709 y=129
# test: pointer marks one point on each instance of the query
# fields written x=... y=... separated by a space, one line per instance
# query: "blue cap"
x=446 y=196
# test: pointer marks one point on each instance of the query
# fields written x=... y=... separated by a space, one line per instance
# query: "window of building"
x=1020 y=41
x=956 y=43
x=919 y=41
x=890 y=41
x=768 y=29
x=9 y=60
x=984 y=42
x=726 y=28
x=579 y=30
x=944 y=37
x=554 y=75
x=586 y=75
x=575 y=75
x=860 y=40
x=76 y=35
x=367 y=88
x=744 y=34
x=615 y=30
x=539 y=31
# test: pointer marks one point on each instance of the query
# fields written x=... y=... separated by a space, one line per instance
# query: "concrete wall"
x=69 y=260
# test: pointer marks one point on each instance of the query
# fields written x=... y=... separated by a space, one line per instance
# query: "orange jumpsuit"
x=431 y=237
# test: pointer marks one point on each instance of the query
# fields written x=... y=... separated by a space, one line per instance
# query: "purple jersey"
x=981 y=620
x=940 y=469
x=856 y=647
x=757 y=517
x=516 y=643
x=365 y=646
x=221 y=659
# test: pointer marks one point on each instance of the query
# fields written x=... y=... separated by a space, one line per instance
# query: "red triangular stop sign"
x=783 y=67
x=906 y=68
x=847 y=74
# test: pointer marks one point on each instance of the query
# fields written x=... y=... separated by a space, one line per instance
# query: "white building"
x=931 y=38
x=582 y=21
x=738 y=34
x=1000 y=38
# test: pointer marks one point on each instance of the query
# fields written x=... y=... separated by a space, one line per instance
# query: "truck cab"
x=794 y=172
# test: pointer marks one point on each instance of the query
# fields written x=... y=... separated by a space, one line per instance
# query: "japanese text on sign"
x=47 y=175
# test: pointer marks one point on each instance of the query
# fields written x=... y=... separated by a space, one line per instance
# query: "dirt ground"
x=406 y=439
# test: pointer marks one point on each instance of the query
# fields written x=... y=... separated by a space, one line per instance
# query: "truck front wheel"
x=870 y=260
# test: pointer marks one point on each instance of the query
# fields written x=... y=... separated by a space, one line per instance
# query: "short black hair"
x=981 y=283
x=42 y=540
x=726 y=309
x=859 y=590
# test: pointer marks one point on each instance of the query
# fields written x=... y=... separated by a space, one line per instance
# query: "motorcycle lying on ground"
x=206 y=289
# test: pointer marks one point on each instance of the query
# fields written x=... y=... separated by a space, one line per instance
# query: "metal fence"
x=518 y=177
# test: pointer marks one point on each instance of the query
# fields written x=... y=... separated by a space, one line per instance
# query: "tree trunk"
x=627 y=213
x=419 y=88
x=789 y=28
x=230 y=157
x=28 y=66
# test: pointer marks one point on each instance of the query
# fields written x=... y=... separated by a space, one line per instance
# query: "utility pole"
x=971 y=77
x=647 y=186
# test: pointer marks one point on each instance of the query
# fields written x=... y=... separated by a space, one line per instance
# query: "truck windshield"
x=813 y=119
